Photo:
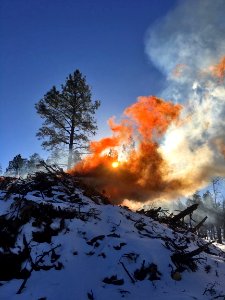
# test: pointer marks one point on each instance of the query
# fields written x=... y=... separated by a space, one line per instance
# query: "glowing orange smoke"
x=161 y=155
x=219 y=69
x=135 y=141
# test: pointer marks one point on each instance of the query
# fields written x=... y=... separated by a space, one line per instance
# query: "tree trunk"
x=219 y=234
x=213 y=232
x=70 y=155
x=223 y=216
x=17 y=172
x=224 y=230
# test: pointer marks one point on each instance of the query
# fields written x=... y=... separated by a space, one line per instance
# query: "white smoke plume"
x=185 y=45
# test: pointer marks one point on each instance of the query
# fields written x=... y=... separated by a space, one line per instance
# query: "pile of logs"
x=174 y=221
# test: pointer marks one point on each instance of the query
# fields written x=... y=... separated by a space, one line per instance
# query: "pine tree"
x=33 y=163
x=69 y=116
x=58 y=157
x=17 y=166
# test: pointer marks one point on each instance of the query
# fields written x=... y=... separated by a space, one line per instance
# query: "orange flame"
x=115 y=164
x=135 y=142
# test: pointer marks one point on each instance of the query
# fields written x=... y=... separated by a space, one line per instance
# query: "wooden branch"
x=182 y=256
x=194 y=229
x=33 y=265
x=125 y=269
x=182 y=259
x=189 y=210
x=198 y=250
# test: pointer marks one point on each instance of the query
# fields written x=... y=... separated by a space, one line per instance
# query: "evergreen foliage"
x=17 y=166
x=58 y=157
x=33 y=163
x=68 y=116
x=20 y=167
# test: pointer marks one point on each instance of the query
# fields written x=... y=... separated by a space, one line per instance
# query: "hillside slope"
x=62 y=240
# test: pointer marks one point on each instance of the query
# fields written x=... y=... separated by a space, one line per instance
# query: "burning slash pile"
x=129 y=165
x=60 y=239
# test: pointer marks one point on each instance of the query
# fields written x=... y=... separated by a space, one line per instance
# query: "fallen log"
x=196 y=228
x=188 y=211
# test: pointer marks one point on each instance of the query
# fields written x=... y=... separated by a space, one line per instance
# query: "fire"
x=135 y=142
x=164 y=154
x=115 y=164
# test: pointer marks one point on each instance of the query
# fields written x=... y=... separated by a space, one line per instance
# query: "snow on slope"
x=100 y=252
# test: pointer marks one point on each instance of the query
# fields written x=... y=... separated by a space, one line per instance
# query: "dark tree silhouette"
x=17 y=166
x=69 y=116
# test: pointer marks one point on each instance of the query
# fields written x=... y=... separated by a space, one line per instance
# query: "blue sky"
x=43 y=41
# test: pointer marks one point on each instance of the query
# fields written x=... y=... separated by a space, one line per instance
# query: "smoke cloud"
x=167 y=149
x=188 y=46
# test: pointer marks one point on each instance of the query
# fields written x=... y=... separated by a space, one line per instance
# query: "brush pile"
x=61 y=239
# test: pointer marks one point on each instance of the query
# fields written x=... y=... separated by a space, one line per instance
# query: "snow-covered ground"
x=105 y=252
